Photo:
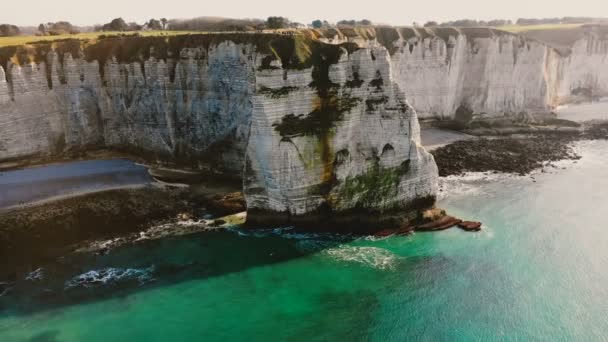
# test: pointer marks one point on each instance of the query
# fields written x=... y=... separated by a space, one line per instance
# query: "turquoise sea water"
x=537 y=272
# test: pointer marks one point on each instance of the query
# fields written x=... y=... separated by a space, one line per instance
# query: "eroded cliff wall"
x=584 y=71
x=489 y=72
x=320 y=121
x=193 y=108
x=336 y=137
x=320 y=130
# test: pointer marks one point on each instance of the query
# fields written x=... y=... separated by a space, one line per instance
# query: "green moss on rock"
x=276 y=93
x=372 y=104
x=318 y=122
x=373 y=187
x=356 y=82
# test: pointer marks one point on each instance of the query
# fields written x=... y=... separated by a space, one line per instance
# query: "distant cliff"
x=487 y=71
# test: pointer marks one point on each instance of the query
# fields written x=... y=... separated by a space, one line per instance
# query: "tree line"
x=7 y=30
x=520 y=21
x=274 y=22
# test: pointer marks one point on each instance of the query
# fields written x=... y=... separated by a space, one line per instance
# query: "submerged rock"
x=405 y=230
x=440 y=224
x=470 y=226
x=227 y=204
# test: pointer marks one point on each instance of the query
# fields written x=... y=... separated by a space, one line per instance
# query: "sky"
x=394 y=12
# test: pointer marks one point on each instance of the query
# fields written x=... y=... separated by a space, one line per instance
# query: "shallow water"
x=537 y=272
x=67 y=179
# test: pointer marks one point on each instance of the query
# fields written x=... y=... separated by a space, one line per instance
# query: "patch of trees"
x=7 y=30
x=320 y=24
x=274 y=23
x=154 y=24
x=120 y=25
x=470 y=23
x=325 y=24
x=57 y=28
x=277 y=23
x=363 y=22
x=215 y=24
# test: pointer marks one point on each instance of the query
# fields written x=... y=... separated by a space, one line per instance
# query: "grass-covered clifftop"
x=292 y=47
x=558 y=36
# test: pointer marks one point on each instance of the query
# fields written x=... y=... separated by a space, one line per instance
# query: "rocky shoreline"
x=518 y=154
x=31 y=234
x=99 y=221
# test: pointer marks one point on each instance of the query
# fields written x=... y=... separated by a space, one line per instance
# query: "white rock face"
x=367 y=158
x=490 y=72
x=585 y=71
x=136 y=106
x=493 y=76
x=354 y=142
x=338 y=136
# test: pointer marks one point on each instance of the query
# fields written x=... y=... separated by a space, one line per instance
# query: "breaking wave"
x=5 y=288
x=111 y=276
x=287 y=233
x=374 y=257
x=35 y=275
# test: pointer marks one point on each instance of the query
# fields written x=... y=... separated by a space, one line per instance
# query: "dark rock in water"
x=596 y=130
x=229 y=204
x=510 y=155
x=218 y=223
x=440 y=224
x=470 y=226
x=518 y=155
x=405 y=230
x=386 y=232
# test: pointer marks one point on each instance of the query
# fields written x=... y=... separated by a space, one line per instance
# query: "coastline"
x=196 y=202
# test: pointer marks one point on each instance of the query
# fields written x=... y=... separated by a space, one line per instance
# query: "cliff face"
x=317 y=120
x=173 y=112
x=347 y=143
x=584 y=71
x=489 y=72
x=320 y=129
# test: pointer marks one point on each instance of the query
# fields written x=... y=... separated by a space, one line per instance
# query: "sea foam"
x=111 y=276
x=373 y=257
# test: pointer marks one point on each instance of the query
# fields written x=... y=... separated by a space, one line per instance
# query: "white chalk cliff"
x=348 y=143
x=317 y=127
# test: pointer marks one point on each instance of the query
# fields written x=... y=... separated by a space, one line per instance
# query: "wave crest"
x=111 y=276
x=374 y=257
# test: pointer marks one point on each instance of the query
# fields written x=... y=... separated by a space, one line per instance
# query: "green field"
x=527 y=28
x=23 y=40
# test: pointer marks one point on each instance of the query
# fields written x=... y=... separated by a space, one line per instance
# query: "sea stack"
x=336 y=143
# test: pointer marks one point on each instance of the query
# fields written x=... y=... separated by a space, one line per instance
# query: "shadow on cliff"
x=86 y=278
